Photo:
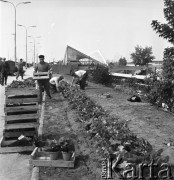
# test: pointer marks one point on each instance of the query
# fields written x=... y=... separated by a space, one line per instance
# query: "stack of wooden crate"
x=21 y=115
x=40 y=75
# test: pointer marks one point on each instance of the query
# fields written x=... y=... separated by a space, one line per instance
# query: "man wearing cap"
x=42 y=66
x=5 y=69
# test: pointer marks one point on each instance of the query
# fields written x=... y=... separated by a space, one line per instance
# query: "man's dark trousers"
x=82 y=82
x=44 y=83
x=4 y=78
x=53 y=88
x=20 y=73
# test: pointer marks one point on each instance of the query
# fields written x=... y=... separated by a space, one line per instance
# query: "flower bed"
x=29 y=82
x=111 y=136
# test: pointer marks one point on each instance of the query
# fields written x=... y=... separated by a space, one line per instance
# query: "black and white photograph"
x=86 y=89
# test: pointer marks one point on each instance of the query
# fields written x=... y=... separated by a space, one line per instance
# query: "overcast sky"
x=114 y=27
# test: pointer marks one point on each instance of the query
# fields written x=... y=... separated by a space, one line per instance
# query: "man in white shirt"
x=54 y=83
x=81 y=77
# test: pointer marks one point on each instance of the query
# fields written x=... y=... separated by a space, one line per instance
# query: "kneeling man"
x=54 y=83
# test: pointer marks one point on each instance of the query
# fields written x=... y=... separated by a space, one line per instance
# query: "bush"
x=159 y=92
x=101 y=75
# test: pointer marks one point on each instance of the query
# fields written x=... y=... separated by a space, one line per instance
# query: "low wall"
x=63 y=69
x=66 y=69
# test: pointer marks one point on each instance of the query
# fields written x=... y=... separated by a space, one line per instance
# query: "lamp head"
x=26 y=2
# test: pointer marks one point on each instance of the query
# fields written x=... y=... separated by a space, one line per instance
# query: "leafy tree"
x=122 y=61
x=166 y=31
x=168 y=64
x=163 y=91
x=142 y=56
x=111 y=64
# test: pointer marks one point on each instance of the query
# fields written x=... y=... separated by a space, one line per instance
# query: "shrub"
x=159 y=92
x=101 y=75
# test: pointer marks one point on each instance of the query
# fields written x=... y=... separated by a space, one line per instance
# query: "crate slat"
x=21 y=108
x=22 y=100
x=52 y=163
x=41 y=77
x=40 y=73
x=21 y=104
x=18 y=133
x=21 y=117
x=21 y=126
x=19 y=91
x=21 y=121
x=4 y=150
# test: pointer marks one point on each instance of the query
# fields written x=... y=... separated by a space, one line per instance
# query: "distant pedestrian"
x=5 y=69
x=20 y=69
x=80 y=77
x=42 y=66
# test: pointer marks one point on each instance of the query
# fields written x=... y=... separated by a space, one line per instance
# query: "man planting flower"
x=54 y=83
x=80 y=77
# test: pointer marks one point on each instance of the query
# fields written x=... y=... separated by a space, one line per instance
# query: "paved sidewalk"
x=13 y=166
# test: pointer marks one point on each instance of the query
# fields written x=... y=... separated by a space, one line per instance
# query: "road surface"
x=13 y=166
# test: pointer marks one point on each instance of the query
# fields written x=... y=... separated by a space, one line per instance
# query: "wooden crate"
x=21 y=107
x=31 y=116
x=42 y=158
x=16 y=99
x=21 y=119
x=5 y=149
x=21 y=126
x=21 y=113
x=40 y=75
x=21 y=95
x=14 y=134
x=20 y=91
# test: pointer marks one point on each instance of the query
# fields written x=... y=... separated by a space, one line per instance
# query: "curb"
x=35 y=173
x=35 y=170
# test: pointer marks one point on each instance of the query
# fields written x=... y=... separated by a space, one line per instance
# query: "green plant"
x=160 y=91
x=66 y=144
x=166 y=31
x=101 y=75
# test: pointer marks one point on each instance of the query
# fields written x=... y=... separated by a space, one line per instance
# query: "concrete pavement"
x=13 y=166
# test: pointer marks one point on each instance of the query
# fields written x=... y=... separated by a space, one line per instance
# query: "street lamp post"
x=34 y=52
x=37 y=51
x=26 y=29
x=34 y=39
x=15 y=6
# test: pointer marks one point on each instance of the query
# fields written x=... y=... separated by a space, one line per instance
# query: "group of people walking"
x=5 y=70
